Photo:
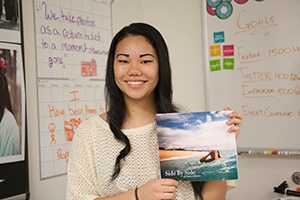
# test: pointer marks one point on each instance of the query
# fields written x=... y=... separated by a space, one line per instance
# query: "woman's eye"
x=146 y=61
x=122 y=61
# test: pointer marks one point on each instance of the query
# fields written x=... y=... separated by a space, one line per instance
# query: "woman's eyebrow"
x=147 y=54
x=142 y=55
x=122 y=54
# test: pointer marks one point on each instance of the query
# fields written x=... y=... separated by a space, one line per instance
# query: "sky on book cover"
x=185 y=139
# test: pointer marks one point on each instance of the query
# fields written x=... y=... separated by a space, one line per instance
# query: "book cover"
x=196 y=146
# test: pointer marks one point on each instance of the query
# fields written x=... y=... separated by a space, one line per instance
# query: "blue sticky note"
x=219 y=37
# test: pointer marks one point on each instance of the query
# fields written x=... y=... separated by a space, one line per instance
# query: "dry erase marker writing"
x=269 y=152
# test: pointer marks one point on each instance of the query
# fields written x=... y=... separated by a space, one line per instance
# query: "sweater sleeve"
x=81 y=176
x=231 y=184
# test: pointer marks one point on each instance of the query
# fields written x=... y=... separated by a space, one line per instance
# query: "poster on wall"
x=12 y=104
x=72 y=42
x=10 y=21
x=12 y=93
x=13 y=144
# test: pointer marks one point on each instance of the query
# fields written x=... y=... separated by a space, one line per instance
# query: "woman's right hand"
x=158 y=189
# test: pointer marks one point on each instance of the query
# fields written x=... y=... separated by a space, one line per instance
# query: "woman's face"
x=136 y=68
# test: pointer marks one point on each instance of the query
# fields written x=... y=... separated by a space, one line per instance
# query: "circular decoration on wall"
x=241 y=1
x=213 y=3
x=211 y=10
x=224 y=10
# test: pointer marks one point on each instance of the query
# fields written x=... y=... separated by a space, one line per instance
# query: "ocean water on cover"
x=191 y=169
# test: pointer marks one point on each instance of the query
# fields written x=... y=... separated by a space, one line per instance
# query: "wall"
x=51 y=188
x=180 y=24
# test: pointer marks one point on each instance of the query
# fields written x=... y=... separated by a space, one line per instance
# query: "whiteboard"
x=72 y=39
x=252 y=64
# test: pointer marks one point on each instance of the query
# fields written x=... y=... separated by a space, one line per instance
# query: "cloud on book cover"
x=194 y=131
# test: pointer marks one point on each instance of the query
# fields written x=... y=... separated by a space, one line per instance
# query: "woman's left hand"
x=235 y=120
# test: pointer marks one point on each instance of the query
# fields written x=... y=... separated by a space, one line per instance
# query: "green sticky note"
x=215 y=65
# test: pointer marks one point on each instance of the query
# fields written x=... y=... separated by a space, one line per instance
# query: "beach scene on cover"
x=196 y=146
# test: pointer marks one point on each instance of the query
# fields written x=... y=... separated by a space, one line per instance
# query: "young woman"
x=115 y=155
x=9 y=130
x=211 y=156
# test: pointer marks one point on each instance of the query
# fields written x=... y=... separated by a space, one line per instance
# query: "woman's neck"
x=139 y=114
x=5 y=110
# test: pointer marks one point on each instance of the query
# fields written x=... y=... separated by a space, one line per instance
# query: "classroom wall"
x=52 y=188
x=180 y=23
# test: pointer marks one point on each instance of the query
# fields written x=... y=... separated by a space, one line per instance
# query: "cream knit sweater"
x=92 y=158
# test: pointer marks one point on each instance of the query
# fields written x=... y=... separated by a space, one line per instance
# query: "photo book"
x=196 y=146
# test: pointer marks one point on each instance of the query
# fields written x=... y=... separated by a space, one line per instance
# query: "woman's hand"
x=158 y=189
x=235 y=120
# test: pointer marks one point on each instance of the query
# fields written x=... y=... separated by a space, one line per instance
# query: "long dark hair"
x=4 y=97
x=163 y=91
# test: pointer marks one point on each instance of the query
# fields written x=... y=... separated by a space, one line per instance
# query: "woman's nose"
x=134 y=69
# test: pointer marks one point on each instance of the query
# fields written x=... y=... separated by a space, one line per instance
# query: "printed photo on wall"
x=10 y=21
x=196 y=146
x=12 y=104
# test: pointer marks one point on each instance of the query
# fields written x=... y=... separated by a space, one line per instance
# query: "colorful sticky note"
x=228 y=63
x=219 y=37
x=215 y=50
x=228 y=50
x=215 y=65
